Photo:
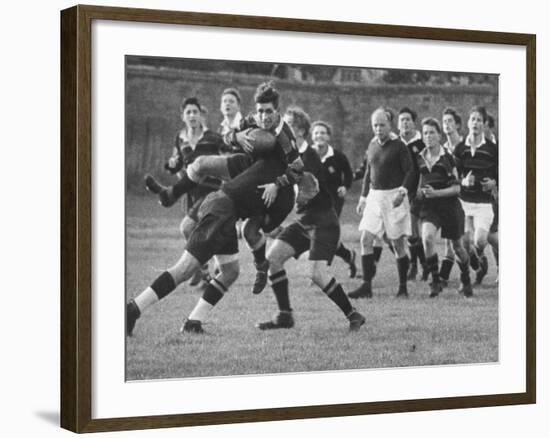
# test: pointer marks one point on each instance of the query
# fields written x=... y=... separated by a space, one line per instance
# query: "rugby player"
x=339 y=177
x=267 y=117
x=477 y=164
x=451 y=122
x=230 y=107
x=439 y=207
x=316 y=230
x=384 y=203
x=408 y=134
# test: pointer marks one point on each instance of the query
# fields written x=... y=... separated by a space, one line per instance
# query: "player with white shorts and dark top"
x=384 y=203
x=477 y=164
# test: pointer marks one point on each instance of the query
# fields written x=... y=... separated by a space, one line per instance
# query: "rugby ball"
x=263 y=141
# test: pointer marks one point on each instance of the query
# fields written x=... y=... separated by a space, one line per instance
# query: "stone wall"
x=153 y=96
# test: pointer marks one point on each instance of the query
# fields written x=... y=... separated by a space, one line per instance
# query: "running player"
x=439 y=207
x=384 y=203
x=477 y=165
x=339 y=177
x=408 y=134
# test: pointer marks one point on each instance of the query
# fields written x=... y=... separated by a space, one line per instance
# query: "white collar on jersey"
x=429 y=159
x=226 y=126
x=185 y=138
x=302 y=148
x=417 y=136
x=330 y=152
x=473 y=147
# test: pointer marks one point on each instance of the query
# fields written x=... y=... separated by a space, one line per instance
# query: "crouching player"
x=440 y=208
x=316 y=229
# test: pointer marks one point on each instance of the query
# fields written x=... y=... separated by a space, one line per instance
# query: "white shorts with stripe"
x=481 y=213
x=380 y=216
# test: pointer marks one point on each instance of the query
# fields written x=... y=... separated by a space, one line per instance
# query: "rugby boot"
x=191 y=326
x=166 y=199
x=402 y=292
x=261 y=277
x=363 y=291
x=283 y=319
x=356 y=320
x=132 y=315
x=466 y=290
x=435 y=289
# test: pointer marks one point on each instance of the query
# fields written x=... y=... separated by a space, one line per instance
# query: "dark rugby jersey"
x=388 y=166
x=338 y=171
x=285 y=146
x=483 y=163
x=312 y=164
x=209 y=144
x=244 y=191
x=439 y=174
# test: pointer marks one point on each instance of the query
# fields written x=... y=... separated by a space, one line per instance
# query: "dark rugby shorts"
x=446 y=214
x=215 y=232
x=318 y=232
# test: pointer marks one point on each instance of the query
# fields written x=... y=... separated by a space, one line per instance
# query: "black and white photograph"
x=293 y=218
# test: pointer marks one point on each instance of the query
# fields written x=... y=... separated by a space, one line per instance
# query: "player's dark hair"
x=490 y=121
x=266 y=93
x=321 y=123
x=407 y=110
x=190 y=101
x=387 y=111
x=480 y=110
x=234 y=92
x=301 y=118
x=430 y=121
x=452 y=112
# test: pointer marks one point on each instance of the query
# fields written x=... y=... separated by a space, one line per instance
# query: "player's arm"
x=364 y=188
x=234 y=139
x=175 y=162
x=346 y=172
x=408 y=169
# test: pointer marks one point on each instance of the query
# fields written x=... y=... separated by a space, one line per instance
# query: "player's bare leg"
x=256 y=241
x=429 y=232
x=447 y=263
x=214 y=292
x=200 y=168
x=164 y=284
x=278 y=253
x=319 y=272
x=463 y=260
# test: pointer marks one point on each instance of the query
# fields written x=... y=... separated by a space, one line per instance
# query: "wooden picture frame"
x=76 y=218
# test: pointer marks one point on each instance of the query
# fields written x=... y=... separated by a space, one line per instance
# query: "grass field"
x=419 y=331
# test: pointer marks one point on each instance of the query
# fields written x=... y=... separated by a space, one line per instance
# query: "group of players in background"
x=415 y=184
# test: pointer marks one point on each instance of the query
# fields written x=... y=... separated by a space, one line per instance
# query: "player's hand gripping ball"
x=262 y=141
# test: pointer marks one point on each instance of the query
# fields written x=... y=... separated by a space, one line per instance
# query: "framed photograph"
x=270 y=219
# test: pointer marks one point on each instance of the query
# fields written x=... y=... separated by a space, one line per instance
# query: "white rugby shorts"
x=482 y=214
x=380 y=216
